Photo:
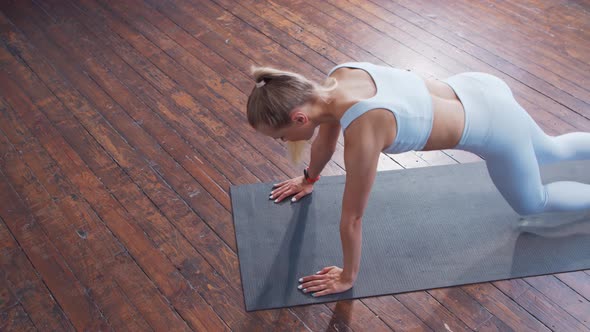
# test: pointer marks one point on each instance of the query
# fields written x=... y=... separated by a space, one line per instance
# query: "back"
x=405 y=95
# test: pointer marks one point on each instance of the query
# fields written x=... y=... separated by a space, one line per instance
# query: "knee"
x=525 y=210
x=532 y=204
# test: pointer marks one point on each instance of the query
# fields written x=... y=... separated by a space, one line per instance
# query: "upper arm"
x=328 y=135
x=361 y=156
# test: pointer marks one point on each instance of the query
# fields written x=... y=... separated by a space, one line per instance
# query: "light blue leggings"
x=513 y=146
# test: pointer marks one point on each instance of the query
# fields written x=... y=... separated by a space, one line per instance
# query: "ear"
x=299 y=117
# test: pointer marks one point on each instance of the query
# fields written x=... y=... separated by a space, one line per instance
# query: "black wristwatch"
x=307 y=178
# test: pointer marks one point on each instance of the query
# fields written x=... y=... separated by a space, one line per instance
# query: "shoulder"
x=377 y=125
x=340 y=72
x=348 y=66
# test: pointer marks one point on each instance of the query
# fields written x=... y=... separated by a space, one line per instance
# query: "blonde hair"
x=295 y=151
x=278 y=92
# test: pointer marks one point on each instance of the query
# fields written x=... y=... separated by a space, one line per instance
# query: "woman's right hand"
x=296 y=186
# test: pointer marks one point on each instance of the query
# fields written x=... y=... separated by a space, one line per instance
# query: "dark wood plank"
x=16 y=319
x=7 y=298
x=189 y=70
x=182 y=54
x=235 y=34
x=472 y=313
x=187 y=301
x=578 y=281
x=540 y=306
x=233 y=53
x=236 y=13
x=174 y=243
x=297 y=25
x=356 y=315
x=504 y=308
x=395 y=314
x=431 y=312
x=436 y=158
x=19 y=279
x=320 y=318
x=525 y=27
x=67 y=94
x=463 y=156
x=225 y=28
x=283 y=29
x=7 y=242
x=563 y=296
x=67 y=290
x=242 y=121
x=494 y=324
x=164 y=170
x=186 y=93
x=231 y=72
x=219 y=45
x=63 y=227
x=229 y=53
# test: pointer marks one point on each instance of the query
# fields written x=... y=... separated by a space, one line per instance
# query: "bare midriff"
x=448 y=116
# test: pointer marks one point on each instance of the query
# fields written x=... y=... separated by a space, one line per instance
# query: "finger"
x=282 y=187
x=276 y=193
x=325 y=270
x=310 y=284
x=322 y=293
x=280 y=184
x=315 y=288
x=288 y=186
x=298 y=196
x=283 y=196
x=310 y=278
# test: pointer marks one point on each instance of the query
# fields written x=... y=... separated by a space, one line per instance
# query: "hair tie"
x=260 y=84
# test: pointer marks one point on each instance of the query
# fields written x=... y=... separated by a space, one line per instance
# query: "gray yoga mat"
x=423 y=228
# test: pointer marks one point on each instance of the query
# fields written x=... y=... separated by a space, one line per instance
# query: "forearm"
x=351 y=237
x=321 y=153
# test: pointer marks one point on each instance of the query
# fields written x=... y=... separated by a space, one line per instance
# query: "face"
x=300 y=129
x=296 y=134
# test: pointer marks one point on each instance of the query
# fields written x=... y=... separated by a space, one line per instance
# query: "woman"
x=383 y=109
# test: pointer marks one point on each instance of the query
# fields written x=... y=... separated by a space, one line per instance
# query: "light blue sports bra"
x=405 y=95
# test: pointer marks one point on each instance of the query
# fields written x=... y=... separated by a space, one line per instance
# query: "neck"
x=322 y=111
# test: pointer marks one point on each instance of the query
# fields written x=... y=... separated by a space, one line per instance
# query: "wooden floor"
x=122 y=127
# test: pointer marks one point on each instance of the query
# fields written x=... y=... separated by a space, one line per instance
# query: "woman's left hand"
x=327 y=281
